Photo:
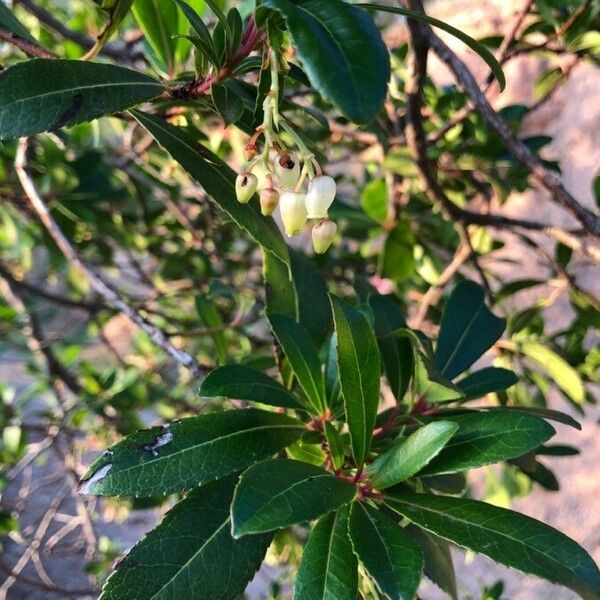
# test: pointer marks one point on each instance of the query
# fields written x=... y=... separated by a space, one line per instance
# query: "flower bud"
x=269 y=199
x=287 y=170
x=293 y=212
x=322 y=235
x=321 y=192
x=245 y=186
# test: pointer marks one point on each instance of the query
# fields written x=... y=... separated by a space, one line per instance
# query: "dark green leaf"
x=557 y=450
x=228 y=103
x=116 y=13
x=410 y=454
x=505 y=536
x=242 y=383
x=278 y=493
x=484 y=438
x=430 y=384
x=329 y=569
x=45 y=94
x=396 y=351
x=201 y=38
x=486 y=381
x=191 y=554
x=342 y=53
x=467 y=330
x=302 y=356
x=217 y=179
x=159 y=22
x=336 y=445
x=397 y=259
x=391 y=557
x=438 y=560
x=189 y=452
x=478 y=48
x=9 y=22
x=359 y=366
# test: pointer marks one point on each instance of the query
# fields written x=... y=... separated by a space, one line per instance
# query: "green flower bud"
x=323 y=234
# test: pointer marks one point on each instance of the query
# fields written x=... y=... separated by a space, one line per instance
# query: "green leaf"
x=228 y=104
x=467 y=330
x=191 y=554
x=438 y=560
x=563 y=374
x=159 y=21
x=278 y=493
x=302 y=356
x=342 y=53
x=410 y=454
x=359 y=366
x=217 y=179
x=486 y=381
x=242 y=383
x=201 y=38
x=45 y=94
x=396 y=351
x=430 y=384
x=397 y=259
x=374 y=200
x=329 y=569
x=336 y=445
x=484 y=438
x=314 y=313
x=390 y=556
x=210 y=317
x=11 y=23
x=117 y=11
x=476 y=46
x=506 y=537
x=189 y=452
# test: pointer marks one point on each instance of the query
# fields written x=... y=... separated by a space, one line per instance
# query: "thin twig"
x=25 y=45
x=112 y=296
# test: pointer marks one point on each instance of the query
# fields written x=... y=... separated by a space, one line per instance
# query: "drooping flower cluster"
x=296 y=205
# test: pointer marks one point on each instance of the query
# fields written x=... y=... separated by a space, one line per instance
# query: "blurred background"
x=75 y=376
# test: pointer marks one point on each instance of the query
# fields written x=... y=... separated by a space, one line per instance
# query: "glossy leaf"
x=430 y=384
x=486 y=381
x=505 y=536
x=329 y=569
x=47 y=94
x=191 y=553
x=336 y=445
x=201 y=34
x=210 y=317
x=9 y=22
x=476 y=46
x=390 y=556
x=359 y=366
x=467 y=330
x=228 y=104
x=277 y=493
x=217 y=179
x=396 y=351
x=243 y=383
x=302 y=356
x=159 y=22
x=410 y=454
x=484 y=438
x=438 y=560
x=189 y=452
x=342 y=53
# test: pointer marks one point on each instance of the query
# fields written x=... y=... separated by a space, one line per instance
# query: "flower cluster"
x=296 y=205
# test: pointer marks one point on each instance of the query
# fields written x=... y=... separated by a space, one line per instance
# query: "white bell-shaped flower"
x=287 y=170
x=323 y=234
x=320 y=196
x=293 y=212
x=245 y=186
